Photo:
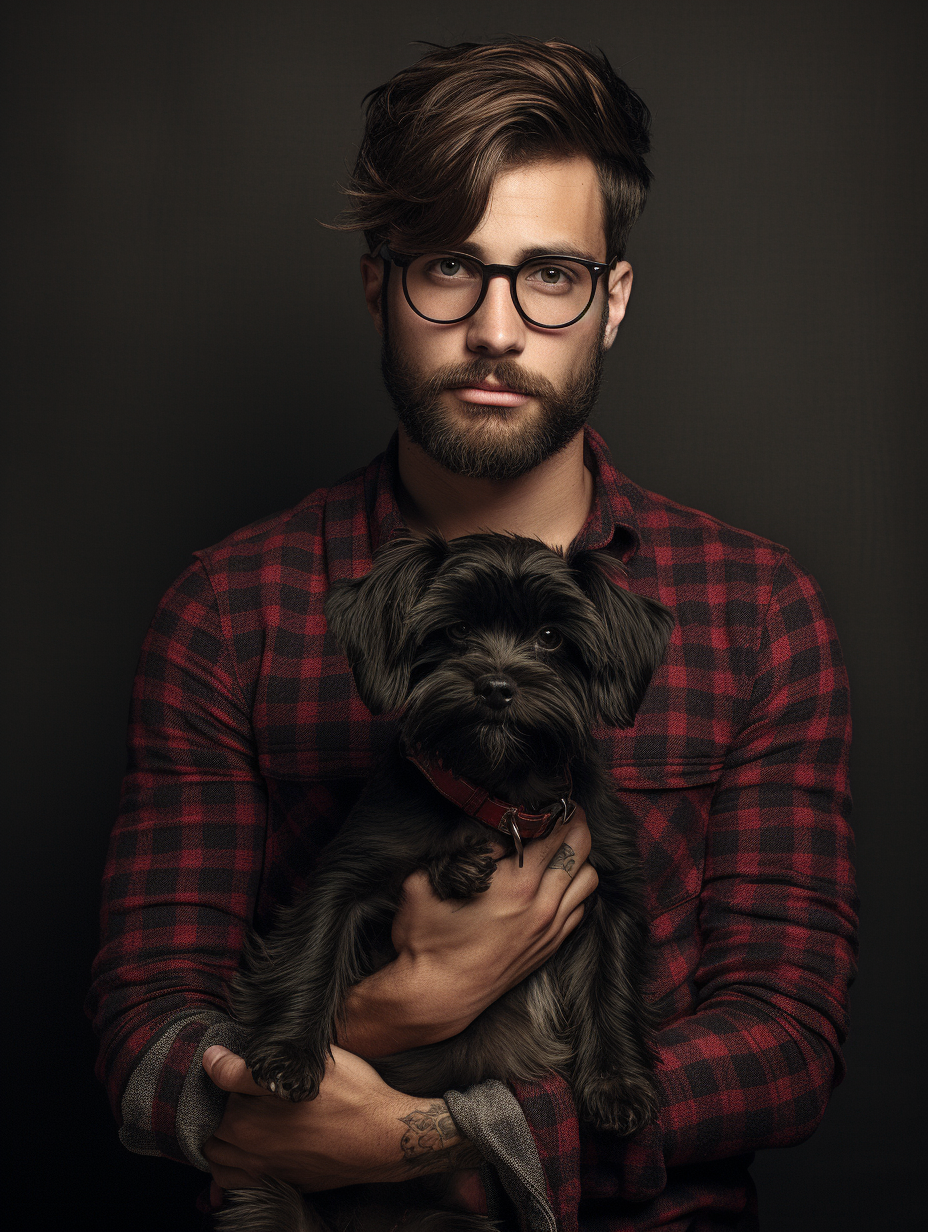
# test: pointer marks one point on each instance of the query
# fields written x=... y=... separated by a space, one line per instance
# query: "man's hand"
x=357 y=1130
x=456 y=958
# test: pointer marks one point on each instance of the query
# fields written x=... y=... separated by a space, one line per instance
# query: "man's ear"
x=619 y=289
x=369 y=618
x=373 y=274
x=635 y=635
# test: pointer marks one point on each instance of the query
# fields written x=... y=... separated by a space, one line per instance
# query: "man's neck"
x=550 y=503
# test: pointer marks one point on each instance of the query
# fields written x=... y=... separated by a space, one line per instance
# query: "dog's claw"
x=612 y=1104
x=285 y=1070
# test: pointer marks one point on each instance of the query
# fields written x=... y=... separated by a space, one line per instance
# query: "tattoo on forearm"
x=565 y=857
x=432 y=1142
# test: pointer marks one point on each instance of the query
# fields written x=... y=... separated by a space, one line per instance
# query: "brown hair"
x=438 y=133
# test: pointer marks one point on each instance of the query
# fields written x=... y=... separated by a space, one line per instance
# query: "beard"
x=496 y=442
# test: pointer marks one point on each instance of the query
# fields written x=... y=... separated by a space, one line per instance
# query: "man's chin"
x=488 y=417
x=484 y=453
x=481 y=442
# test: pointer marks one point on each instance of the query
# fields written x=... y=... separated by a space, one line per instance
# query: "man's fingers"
x=231 y=1178
x=567 y=853
x=572 y=921
x=575 y=830
x=227 y=1158
x=563 y=895
x=565 y=858
x=581 y=886
x=229 y=1071
x=571 y=908
x=540 y=852
x=417 y=887
x=575 y=836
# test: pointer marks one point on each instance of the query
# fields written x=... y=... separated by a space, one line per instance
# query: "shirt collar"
x=610 y=523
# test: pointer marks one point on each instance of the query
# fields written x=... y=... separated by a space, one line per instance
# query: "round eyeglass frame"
x=404 y=260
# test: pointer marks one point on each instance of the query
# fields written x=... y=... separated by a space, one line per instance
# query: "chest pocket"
x=670 y=801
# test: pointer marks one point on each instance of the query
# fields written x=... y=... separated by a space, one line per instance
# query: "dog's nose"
x=496 y=691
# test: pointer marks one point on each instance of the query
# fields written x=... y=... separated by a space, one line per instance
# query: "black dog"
x=501 y=656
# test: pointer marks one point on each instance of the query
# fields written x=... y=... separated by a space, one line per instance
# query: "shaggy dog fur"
x=500 y=656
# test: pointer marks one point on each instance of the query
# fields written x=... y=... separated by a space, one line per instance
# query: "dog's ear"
x=368 y=617
x=637 y=631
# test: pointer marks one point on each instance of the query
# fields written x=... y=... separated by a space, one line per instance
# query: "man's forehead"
x=549 y=205
x=562 y=247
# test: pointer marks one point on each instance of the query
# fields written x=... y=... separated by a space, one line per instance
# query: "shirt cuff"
x=200 y=1104
x=489 y=1115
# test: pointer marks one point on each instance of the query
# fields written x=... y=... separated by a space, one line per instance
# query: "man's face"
x=492 y=397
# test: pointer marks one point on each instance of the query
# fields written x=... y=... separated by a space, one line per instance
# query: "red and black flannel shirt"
x=249 y=743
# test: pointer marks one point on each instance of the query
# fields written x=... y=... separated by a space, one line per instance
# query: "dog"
x=500 y=656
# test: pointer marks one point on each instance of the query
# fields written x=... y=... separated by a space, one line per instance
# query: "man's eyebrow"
x=548 y=250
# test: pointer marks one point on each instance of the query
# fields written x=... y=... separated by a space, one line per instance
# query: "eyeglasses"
x=548 y=290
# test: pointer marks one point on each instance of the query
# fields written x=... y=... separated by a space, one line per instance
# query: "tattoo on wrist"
x=432 y=1142
x=565 y=857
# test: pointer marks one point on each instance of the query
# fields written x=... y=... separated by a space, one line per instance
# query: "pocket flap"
x=656 y=774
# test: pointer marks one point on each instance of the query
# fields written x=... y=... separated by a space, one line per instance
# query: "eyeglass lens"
x=446 y=288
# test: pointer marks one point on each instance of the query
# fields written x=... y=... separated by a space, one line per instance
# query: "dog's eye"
x=459 y=632
x=548 y=639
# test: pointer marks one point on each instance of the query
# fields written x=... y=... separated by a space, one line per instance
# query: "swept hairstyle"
x=439 y=131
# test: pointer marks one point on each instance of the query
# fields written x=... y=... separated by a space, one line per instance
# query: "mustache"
x=508 y=373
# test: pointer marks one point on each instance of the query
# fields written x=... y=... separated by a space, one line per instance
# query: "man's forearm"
x=432 y=1142
x=397 y=1008
x=358 y=1130
x=388 y=1013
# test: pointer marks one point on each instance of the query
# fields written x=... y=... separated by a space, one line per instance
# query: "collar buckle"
x=507 y=825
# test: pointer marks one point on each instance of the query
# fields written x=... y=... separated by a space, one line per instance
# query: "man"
x=496 y=186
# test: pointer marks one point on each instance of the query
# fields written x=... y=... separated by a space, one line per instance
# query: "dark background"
x=189 y=352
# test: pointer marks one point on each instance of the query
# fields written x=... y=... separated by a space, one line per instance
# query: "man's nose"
x=496 y=327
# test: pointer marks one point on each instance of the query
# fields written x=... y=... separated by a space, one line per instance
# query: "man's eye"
x=440 y=269
x=459 y=632
x=548 y=638
x=552 y=277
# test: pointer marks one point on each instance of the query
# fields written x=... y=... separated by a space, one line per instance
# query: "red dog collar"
x=479 y=804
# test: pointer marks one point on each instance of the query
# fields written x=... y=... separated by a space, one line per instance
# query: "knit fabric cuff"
x=489 y=1115
x=200 y=1105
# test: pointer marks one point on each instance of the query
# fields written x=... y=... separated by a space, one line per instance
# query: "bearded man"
x=496 y=186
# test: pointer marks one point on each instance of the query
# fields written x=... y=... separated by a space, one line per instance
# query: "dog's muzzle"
x=496 y=692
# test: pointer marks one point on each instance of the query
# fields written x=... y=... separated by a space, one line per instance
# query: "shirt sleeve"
x=182 y=872
x=755 y=1061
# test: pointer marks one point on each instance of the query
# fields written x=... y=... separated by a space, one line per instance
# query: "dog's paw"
x=614 y=1103
x=285 y=1069
x=462 y=875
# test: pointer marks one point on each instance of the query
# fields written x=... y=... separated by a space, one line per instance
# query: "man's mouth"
x=490 y=393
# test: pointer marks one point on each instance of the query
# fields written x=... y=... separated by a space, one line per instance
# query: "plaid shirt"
x=249 y=744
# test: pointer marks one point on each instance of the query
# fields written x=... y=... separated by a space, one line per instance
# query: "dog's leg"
x=276 y=1207
x=292 y=989
x=465 y=871
x=522 y=1036
x=271 y=1207
x=600 y=972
